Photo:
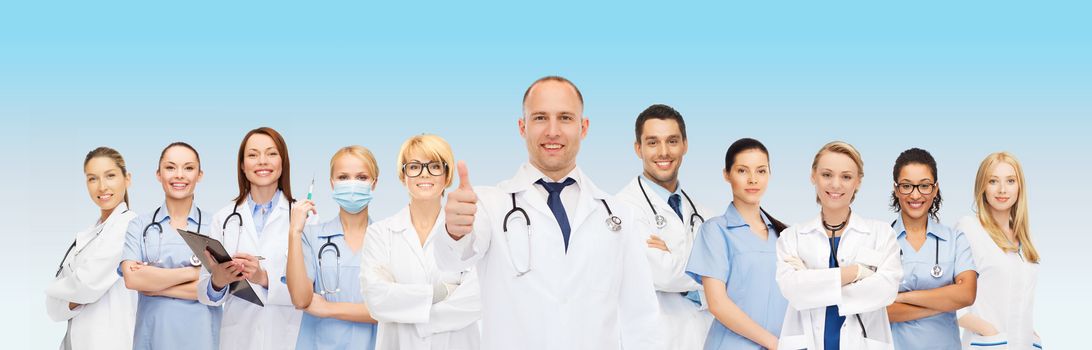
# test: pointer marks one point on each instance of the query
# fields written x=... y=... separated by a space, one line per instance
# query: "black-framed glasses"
x=908 y=188
x=414 y=169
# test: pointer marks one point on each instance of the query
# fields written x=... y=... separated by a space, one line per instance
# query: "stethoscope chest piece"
x=937 y=271
x=195 y=261
x=661 y=222
x=614 y=223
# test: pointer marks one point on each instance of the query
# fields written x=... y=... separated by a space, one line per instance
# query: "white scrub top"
x=1006 y=292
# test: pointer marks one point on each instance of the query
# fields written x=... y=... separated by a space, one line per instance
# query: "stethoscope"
x=937 y=271
x=834 y=255
x=661 y=222
x=613 y=222
x=235 y=214
x=60 y=267
x=194 y=261
x=322 y=276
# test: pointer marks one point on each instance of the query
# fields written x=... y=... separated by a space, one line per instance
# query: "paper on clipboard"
x=200 y=243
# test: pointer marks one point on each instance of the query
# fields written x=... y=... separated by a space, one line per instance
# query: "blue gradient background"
x=961 y=79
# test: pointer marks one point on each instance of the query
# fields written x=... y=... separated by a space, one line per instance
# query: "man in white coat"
x=673 y=219
x=561 y=263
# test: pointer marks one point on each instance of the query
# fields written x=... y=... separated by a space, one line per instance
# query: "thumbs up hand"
x=462 y=205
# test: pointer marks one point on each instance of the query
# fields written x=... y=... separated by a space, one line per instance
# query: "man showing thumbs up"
x=561 y=263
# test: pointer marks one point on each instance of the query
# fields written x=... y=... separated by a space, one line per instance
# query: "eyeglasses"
x=415 y=169
x=907 y=188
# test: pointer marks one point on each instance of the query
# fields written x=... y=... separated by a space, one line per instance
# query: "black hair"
x=747 y=144
x=658 y=111
x=916 y=156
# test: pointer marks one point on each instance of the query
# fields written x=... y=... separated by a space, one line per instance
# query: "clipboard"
x=200 y=243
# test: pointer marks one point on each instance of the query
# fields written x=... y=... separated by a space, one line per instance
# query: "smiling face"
x=661 y=149
x=261 y=161
x=748 y=176
x=179 y=172
x=106 y=182
x=915 y=205
x=552 y=126
x=426 y=186
x=836 y=178
x=1002 y=187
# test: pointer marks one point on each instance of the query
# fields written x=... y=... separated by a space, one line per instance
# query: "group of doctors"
x=491 y=268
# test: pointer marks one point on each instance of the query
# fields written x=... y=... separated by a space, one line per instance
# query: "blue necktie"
x=554 y=201
x=675 y=204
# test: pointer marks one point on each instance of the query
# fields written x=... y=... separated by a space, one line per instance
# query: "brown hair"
x=179 y=144
x=283 y=183
x=115 y=156
x=662 y=112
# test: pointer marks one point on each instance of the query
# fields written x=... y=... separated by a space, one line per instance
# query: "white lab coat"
x=246 y=325
x=684 y=324
x=810 y=291
x=397 y=277
x=90 y=277
x=1006 y=292
x=598 y=295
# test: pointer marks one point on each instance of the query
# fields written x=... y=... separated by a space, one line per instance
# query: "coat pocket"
x=998 y=341
x=794 y=342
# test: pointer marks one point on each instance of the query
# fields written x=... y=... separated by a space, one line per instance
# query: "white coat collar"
x=527 y=175
x=247 y=212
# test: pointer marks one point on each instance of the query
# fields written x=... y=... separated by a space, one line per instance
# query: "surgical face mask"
x=353 y=195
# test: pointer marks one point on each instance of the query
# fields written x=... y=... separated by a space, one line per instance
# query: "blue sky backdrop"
x=961 y=79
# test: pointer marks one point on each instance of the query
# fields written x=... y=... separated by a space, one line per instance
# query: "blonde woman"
x=417 y=305
x=87 y=291
x=324 y=259
x=1008 y=263
x=838 y=271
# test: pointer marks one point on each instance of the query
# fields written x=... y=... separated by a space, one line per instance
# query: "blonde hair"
x=362 y=153
x=432 y=146
x=1018 y=214
x=840 y=147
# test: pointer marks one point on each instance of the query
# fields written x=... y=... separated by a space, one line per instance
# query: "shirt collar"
x=527 y=175
x=732 y=218
x=932 y=227
x=267 y=206
x=332 y=227
x=660 y=190
x=165 y=215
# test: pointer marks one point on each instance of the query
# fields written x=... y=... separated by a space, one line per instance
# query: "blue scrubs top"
x=330 y=333
x=726 y=249
x=165 y=322
x=938 y=331
x=832 y=331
